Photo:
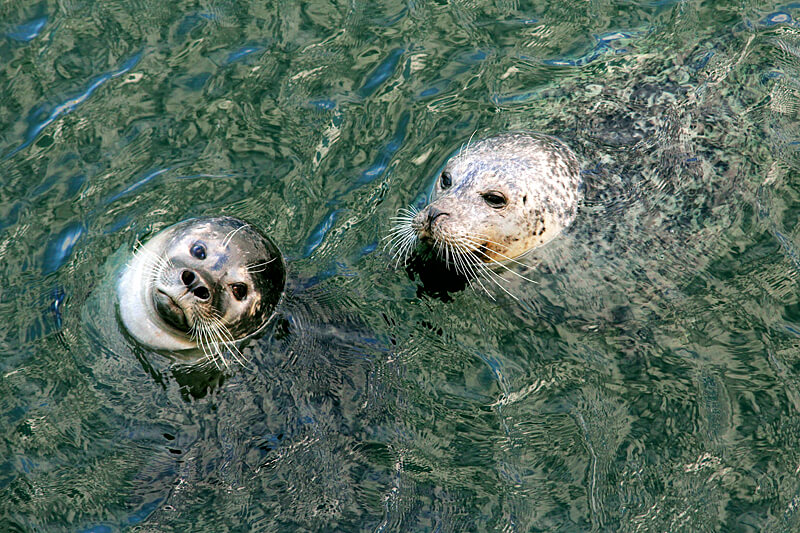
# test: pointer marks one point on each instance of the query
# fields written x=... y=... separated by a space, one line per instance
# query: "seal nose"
x=194 y=284
x=187 y=277
x=433 y=214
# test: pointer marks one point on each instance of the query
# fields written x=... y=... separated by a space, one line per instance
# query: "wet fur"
x=211 y=336
x=538 y=175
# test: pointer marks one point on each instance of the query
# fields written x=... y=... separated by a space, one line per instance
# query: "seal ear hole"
x=198 y=250
x=446 y=180
x=239 y=291
x=495 y=199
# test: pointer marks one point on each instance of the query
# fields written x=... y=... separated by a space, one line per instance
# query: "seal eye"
x=198 y=251
x=239 y=291
x=495 y=199
x=446 y=180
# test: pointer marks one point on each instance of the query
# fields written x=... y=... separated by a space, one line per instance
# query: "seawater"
x=647 y=381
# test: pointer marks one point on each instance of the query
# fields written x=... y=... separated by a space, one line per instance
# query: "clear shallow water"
x=648 y=382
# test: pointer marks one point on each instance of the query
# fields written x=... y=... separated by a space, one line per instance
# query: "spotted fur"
x=538 y=175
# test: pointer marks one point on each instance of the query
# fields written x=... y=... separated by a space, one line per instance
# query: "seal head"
x=201 y=286
x=495 y=200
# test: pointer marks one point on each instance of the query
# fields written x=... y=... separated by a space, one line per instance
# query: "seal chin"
x=169 y=311
x=425 y=236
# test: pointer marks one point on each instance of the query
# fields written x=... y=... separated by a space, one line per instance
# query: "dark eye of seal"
x=495 y=199
x=198 y=251
x=239 y=291
x=446 y=180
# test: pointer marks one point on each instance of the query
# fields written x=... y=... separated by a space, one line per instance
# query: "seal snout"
x=433 y=214
x=194 y=284
x=170 y=310
x=427 y=219
x=176 y=302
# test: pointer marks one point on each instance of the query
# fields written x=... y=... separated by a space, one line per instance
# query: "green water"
x=648 y=379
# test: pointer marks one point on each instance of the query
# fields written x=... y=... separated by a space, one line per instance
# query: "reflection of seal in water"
x=494 y=201
x=200 y=286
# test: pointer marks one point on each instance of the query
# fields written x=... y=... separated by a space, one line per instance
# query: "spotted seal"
x=199 y=287
x=495 y=200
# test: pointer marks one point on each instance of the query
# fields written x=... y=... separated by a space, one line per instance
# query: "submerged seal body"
x=201 y=286
x=495 y=200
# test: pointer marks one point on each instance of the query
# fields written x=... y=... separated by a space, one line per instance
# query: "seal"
x=494 y=201
x=200 y=287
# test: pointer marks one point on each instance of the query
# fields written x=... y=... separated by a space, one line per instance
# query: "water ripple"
x=60 y=247
x=28 y=31
x=73 y=103
x=381 y=73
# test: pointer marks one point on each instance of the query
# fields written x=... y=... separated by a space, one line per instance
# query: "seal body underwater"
x=662 y=152
x=495 y=200
x=201 y=286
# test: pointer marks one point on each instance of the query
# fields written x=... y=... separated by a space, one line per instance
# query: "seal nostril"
x=433 y=214
x=202 y=293
x=187 y=277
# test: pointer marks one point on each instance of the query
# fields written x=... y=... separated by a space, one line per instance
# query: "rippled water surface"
x=647 y=379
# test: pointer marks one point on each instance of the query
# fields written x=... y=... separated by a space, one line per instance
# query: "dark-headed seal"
x=199 y=287
x=495 y=200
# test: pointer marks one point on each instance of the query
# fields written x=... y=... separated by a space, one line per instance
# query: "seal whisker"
x=227 y=340
x=227 y=240
x=484 y=237
x=505 y=258
x=501 y=265
x=209 y=338
x=150 y=257
x=405 y=213
x=469 y=141
x=197 y=334
x=489 y=275
x=219 y=335
x=408 y=247
x=411 y=210
x=473 y=269
x=402 y=238
x=405 y=252
x=214 y=348
x=225 y=337
x=459 y=252
x=153 y=264
x=400 y=229
x=209 y=355
x=398 y=244
x=397 y=234
x=402 y=243
x=462 y=265
x=251 y=269
x=494 y=261
x=405 y=216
